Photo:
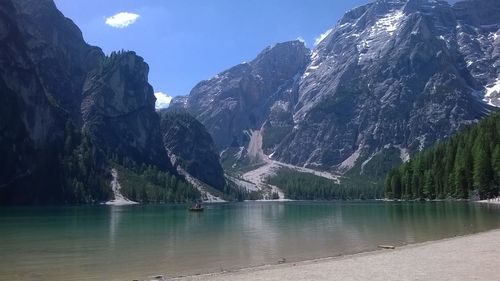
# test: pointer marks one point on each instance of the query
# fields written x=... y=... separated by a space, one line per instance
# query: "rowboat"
x=196 y=208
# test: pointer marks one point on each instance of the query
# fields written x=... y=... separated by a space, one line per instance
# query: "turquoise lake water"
x=134 y=242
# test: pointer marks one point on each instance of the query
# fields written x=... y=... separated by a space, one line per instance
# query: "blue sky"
x=186 y=41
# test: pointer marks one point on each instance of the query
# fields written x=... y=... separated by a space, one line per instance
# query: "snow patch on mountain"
x=377 y=36
x=322 y=37
x=312 y=65
x=389 y=23
x=492 y=94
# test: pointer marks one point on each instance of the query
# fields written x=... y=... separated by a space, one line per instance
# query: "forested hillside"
x=304 y=186
x=464 y=166
x=69 y=114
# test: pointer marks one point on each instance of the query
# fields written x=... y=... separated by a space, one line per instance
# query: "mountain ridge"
x=391 y=78
x=391 y=75
x=71 y=115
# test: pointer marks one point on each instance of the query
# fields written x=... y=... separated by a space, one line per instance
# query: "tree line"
x=148 y=184
x=85 y=178
x=465 y=166
x=304 y=186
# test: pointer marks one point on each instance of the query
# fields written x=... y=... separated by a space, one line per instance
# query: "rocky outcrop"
x=240 y=98
x=191 y=147
x=60 y=57
x=119 y=113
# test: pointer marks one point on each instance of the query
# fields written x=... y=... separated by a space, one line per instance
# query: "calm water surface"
x=133 y=242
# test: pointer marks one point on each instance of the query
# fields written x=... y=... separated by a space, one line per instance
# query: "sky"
x=187 y=41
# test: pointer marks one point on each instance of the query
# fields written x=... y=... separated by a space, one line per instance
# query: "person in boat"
x=198 y=206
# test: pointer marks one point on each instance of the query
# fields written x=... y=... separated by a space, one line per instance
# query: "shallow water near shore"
x=134 y=242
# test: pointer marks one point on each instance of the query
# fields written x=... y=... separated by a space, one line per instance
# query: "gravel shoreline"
x=471 y=257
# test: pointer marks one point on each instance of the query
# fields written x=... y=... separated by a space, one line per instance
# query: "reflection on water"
x=115 y=213
x=127 y=242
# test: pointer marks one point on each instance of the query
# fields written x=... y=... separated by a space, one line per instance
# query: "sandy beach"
x=472 y=257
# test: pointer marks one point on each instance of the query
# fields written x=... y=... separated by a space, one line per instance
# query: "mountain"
x=42 y=71
x=119 y=111
x=75 y=121
x=391 y=78
x=241 y=98
x=191 y=148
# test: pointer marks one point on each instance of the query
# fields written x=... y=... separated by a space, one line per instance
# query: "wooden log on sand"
x=387 y=247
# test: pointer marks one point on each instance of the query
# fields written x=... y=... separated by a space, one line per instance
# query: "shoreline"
x=467 y=257
x=490 y=201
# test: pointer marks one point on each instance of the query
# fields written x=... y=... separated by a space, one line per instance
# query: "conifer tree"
x=464 y=165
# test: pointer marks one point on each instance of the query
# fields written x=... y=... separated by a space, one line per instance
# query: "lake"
x=134 y=242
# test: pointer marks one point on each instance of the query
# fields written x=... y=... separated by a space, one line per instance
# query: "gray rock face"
x=43 y=65
x=118 y=111
x=65 y=109
x=478 y=40
x=240 y=98
x=192 y=147
x=391 y=75
x=61 y=58
x=27 y=122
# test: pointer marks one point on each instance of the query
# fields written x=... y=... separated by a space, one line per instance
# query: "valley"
x=162 y=140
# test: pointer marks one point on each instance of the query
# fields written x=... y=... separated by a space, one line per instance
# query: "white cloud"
x=300 y=39
x=317 y=40
x=122 y=20
x=162 y=100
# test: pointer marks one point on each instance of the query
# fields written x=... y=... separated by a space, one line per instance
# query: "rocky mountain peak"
x=392 y=77
x=119 y=110
x=56 y=47
x=191 y=147
x=282 y=56
x=403 y=47
x=240 y=98
x=127 y=78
